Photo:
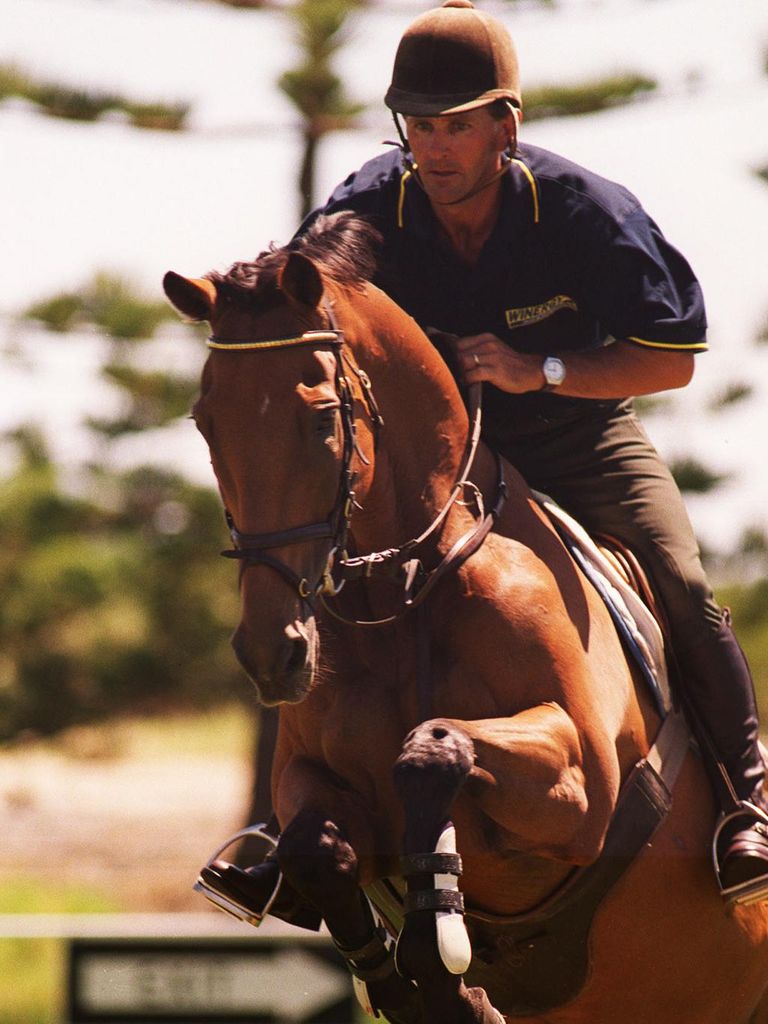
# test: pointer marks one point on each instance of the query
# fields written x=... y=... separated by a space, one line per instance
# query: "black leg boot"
x=718 y=684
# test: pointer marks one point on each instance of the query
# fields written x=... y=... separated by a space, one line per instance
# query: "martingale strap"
x=403 y=563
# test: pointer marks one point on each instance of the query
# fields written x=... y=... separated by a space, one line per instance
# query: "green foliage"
x=650 y=405
x=313 y=87
x=694 y=477
x=156 y=399
x=113 y=305
x=586 y=97
x=13 y=81
x=111 y=603
x=61 y=312
x=73 y=104
x=749 y=608
x=106 y=302
x=754 y=543
x=157 y=116
x=762 y=332
x=59 y=100
x=731 y=394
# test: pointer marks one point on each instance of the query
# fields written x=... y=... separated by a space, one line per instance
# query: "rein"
x=251 y=548
x=394 y=562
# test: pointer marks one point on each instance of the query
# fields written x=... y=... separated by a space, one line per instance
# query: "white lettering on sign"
x=290 y=983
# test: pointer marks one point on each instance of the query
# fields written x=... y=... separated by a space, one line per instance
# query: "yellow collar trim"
x=401 y=198
x=534 y=187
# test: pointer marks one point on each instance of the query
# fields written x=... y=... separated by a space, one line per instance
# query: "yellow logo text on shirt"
x=532 y=314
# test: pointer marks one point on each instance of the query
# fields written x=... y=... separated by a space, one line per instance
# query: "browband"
x=308 y=338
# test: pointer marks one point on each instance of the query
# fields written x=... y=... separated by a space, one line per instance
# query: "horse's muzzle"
x=283 y=669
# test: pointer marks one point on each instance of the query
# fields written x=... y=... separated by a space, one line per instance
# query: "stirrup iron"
x=224 y=900
x=754 y=890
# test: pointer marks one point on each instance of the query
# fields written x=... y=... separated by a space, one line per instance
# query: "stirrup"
x=224 y=900
x=754 y=890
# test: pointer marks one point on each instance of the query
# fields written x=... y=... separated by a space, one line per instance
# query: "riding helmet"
x=451 y=59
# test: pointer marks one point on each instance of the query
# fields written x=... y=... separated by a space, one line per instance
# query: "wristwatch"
x=554 y=372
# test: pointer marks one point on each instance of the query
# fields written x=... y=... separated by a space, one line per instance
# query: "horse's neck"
x=423 y=440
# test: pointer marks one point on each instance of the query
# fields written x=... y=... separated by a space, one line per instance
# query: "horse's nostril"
x=297 y=657
x=439 y=732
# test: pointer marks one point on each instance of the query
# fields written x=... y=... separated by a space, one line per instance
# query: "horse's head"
x=276 y=412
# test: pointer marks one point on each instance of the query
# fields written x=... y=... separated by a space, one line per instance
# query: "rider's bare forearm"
x=617 y=370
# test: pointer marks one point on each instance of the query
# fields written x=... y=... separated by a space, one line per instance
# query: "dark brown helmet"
x=451 y=59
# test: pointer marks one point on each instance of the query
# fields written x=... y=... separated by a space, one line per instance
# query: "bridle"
x=402 y=562
x=251 y=548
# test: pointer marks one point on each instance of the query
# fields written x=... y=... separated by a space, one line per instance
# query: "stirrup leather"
x=225 y=901
x=754 y=890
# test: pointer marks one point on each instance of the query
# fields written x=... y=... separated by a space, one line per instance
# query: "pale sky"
x=78 y=198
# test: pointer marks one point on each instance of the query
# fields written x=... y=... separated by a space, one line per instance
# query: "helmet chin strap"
x=478 y=188
x=506 y=156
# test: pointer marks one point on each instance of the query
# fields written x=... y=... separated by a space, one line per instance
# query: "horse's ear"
x=193 y=297
x=300 y=280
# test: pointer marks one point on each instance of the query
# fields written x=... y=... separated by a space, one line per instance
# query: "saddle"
x=618 y=577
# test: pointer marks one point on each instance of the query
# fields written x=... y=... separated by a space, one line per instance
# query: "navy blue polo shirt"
x=573 y=261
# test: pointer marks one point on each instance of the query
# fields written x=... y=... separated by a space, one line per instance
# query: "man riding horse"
x=555 y=289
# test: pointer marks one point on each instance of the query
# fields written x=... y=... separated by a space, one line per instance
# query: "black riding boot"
x=718 y=683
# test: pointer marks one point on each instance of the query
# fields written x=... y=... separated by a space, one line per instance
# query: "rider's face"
x=456 y=153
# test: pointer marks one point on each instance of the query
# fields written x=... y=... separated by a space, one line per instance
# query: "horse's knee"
x=316 y=858
x=436 y=758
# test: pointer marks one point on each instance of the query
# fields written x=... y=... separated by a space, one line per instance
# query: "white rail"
x=167 y=926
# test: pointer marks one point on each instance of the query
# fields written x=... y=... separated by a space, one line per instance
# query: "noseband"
x=251 y=548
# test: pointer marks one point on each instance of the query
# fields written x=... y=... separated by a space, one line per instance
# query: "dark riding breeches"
x=605 y=472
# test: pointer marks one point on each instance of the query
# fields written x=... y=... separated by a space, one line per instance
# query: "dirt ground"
x=136 y=827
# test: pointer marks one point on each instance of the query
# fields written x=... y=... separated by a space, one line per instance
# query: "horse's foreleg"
x=433 y=947
x=529 y=777
x=317 y=856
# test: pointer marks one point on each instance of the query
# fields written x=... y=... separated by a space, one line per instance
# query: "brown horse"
x=493 y=684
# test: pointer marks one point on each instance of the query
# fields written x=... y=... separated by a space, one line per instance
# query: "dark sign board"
x=218 y=981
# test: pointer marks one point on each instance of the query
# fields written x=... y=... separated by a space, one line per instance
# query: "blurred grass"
x=32 y=971
x=224 y=729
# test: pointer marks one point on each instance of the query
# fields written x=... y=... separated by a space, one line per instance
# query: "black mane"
x=342 y=244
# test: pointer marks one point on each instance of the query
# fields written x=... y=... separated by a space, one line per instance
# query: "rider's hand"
x=484 y=357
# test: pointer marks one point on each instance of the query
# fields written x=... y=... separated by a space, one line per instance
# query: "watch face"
x=554 y=370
